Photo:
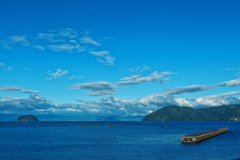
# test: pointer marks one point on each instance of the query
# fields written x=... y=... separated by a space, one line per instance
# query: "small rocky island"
x=26 y=118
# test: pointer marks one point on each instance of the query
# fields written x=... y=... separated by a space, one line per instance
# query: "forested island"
x=177 y=113
x=26 y=118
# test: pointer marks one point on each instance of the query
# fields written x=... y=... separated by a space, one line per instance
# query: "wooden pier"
x=197 y=137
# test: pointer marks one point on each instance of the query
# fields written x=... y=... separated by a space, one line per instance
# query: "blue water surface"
x=67 y=140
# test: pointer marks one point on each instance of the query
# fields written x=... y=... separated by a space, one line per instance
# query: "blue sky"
x=124 y=58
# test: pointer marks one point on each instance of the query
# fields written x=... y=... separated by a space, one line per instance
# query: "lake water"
x=51 y=141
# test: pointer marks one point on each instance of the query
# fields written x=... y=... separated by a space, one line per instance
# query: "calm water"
x=119 y=142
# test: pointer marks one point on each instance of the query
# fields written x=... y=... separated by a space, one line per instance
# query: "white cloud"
x=24 y=105
x=99 y=54
x=237 y=74
x=66 y=48
x=22 y=40
x=89 y=40
x=112 y=105
x=68 y=32
x=131 y=78
x=100 y=93
x=235 y=82
x=56 y=36
x=140 y=69
x=5 y=67
x=66 y=39
x=26 y=69
x=236 y=70
x=107 y=38
x=217 y=100
x=136 y=79
x=73 y=41
x=58 y=74
x=15 y=88
x=72 y=77
x=51 y=37
x=199 y=88
x=97 y=88
x=210 y=101
x=80 y=77
x=10 y=68
x=232 y=69
x=38 y=47
x=104 y=57
x=188 y=89
x=2 y=65
x=79 y=100
x=5 y=44
x=19 y=40
x=15 y=40
x=62 y=40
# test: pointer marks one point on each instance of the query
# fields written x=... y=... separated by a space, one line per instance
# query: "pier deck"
x=197 y=137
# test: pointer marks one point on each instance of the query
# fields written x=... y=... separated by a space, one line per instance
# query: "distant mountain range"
x=53 y=117
x=177 y=113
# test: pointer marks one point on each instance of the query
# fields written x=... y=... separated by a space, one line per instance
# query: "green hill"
x=26 y=118
x=177 y=113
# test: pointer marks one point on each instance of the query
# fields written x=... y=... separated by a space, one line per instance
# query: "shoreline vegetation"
x=177 y=113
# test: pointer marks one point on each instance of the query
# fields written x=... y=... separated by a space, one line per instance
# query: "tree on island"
x=177 y=113
x=26 y=118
